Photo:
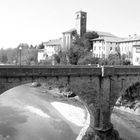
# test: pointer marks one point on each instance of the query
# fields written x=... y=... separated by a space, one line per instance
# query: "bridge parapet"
x=121 y=70
x=98 y=87
x=15 y=71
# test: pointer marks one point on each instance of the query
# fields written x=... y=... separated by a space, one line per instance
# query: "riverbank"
x=129 y=110
x=29 y=112
x=41 y=112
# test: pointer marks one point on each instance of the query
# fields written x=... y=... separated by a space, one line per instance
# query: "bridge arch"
x=130 y=93
x=128 y=82
x=85 y=87
x=9 y=83
x=98 y=88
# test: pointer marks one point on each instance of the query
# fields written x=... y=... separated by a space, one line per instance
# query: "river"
x=29 y=113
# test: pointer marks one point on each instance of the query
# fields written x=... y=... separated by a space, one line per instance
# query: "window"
x=103 y=55
x=137 y=50
x=83 y=16
x=77 y=16
x=137 y=59
x=94 y=47
x=103 y=42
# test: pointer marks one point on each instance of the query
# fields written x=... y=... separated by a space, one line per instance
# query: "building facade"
x=136 y=54
x=102 y=46
x=126 y=46
x=105 y=44
x=50 y=48
x=80 y=28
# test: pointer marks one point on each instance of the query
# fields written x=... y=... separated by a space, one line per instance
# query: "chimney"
x=135 y=35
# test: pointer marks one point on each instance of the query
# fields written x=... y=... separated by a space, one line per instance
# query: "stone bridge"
x=98 y=87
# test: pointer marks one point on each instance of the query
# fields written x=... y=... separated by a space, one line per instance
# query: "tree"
x=88 y=59
x=113 y=59
x=56 y=58
x=87 y=39
x=124 y=60
x=74 y=55
x=12 y=56
x=3 y=56
x=28 y=54
x=81 y=46
x=63 y=57
x=41 y=46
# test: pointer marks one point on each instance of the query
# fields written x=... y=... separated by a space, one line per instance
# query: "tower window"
x=83 y=16
x=77 y=16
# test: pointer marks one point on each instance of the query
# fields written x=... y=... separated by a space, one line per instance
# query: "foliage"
x=12 y=56
x=45 y=62
x=41 y=46
x=131 y=96
x=113 y=59
x=28 y=55
x=75 y=53
x=88 y=59
x=117 y=59
x=80 y=47
x=3 y=56
x=56 y=58
x=63 y=57
x=87 y=37
x=24 y=46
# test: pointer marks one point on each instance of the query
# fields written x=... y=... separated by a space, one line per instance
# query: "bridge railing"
x=68 y=70
x=49 y=71
x=121 y=70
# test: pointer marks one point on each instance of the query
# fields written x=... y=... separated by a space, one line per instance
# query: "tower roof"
x=70 y=30
x=81 y=12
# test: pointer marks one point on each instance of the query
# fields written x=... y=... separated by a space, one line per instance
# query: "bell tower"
x=81 y=19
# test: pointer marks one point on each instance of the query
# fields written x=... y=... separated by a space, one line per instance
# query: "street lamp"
x=20 y=48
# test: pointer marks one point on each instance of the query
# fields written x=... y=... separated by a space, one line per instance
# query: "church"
x=105 y=44
x=81 y=28
x=65 y=42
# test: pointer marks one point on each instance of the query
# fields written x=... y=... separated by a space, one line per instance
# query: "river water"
x=29 y=113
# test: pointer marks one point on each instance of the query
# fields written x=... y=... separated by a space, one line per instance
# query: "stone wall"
x=98 y=87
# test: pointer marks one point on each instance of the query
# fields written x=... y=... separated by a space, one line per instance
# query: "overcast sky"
x=36 y=21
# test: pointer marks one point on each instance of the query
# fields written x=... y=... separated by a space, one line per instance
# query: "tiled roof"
x=81 y=11
x=70 y=30
x=107 y=34
x=108 y=39
x=54 y=42
x=100 y=33
x=131 y=38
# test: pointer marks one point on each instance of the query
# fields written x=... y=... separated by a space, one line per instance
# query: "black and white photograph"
x=69 y=70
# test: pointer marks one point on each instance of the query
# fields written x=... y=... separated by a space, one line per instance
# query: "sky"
x=36 y=21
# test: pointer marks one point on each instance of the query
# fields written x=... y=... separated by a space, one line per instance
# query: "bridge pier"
x=100 y=127
x=99 y=88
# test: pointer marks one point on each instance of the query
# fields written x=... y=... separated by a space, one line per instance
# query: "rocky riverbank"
x=128 y=106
